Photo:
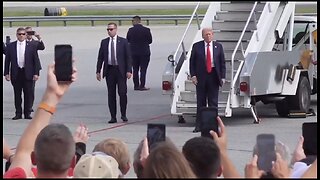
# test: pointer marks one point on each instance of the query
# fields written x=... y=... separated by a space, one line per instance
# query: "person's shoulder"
x=16 y=172
x=217 y=43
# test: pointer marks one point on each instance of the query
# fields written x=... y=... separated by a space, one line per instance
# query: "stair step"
x=235 y=15
x=190 y=96
x=231 y=45
x=232 y=35
x=232 y=25
x=240 y=6
x=191 y=108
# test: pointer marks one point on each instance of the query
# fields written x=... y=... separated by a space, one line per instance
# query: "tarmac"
x=86 y=100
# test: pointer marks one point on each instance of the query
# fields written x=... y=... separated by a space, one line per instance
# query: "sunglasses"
x=21 y=34
x=110 y=29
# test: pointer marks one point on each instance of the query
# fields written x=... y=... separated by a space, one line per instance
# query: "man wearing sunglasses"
x=115 y=58
x=21 y=68
x=40 y=46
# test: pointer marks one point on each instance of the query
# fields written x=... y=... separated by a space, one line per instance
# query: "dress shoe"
x=137 y=89
x=113 y=120
x=17 y=117
x=144 y=89
x=124 y=118
x=181 y=121
x=196 y=130
x=27 y=117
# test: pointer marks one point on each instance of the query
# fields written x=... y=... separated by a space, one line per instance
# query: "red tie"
x=209 y=63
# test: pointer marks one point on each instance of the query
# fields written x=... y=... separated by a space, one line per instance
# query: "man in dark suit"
x=207 y=71
x=21 y=68
x=115 y=58
x=139 y=38
x=39 y=46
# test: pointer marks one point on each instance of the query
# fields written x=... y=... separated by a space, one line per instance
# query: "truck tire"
x=301 y=101
x=282 y=107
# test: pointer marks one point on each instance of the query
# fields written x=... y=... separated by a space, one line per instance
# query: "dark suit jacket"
x=198 y=61
x=123 y=56
x=4 y=48
x=31 y=61
x=38 y=44
x=139 y=38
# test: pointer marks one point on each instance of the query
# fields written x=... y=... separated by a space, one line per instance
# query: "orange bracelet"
x=47 y=108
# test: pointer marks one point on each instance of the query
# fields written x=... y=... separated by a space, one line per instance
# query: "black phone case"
x=63 y=62
x=156 y=133
x=309 y=133
x=266 y=151
x=208 y=121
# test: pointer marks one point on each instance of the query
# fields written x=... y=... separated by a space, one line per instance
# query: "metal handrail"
x=237 y=46
x=182 y=39
x=119 y=18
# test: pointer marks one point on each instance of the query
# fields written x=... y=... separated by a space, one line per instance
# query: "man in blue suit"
x=139 y=38
x=115 y=58
x=22 y=68
x=207 y=70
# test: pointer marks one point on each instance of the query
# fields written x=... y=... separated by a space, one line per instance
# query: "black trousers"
x=140 y=64
x=114 y=79
x=21 y=84
x=207 y=93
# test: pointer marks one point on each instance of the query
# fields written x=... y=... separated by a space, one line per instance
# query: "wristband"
x=47 y=108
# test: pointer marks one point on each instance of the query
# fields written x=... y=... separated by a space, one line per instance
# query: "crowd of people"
x=50 y=150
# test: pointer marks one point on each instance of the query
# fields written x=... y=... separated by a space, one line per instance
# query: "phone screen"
x=156 y=133
x=266 y=151
x=208 y=119
x=309 y=133
x=63 y=62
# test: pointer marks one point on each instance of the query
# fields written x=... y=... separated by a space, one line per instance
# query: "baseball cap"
x=97 y=165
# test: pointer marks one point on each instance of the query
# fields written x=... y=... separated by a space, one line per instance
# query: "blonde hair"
x=117 y=149
x=166 y=161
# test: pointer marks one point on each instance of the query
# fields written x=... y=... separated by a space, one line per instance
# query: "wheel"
x=301 y=101
x=282 y=107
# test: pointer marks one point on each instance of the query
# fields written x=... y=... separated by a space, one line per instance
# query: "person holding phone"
x=207 y=71
x=115 y=58
x=39 y=46
x=21 y=67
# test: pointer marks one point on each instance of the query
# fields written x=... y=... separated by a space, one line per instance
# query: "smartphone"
x=309 y=133
x=63 y=62
x=208 y=121
x=266 y=151
x=30 y=32
x=156 y=133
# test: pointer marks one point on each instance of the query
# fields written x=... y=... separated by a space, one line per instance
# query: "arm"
x=229 y=170
x=7 y=62
x=311 y=172
x=100 y=61
x=128 y=59
x=7 y=153
x=149 y=36
x=223 y=64
x=81 y=138
x=40 y=45
x=51 y=97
